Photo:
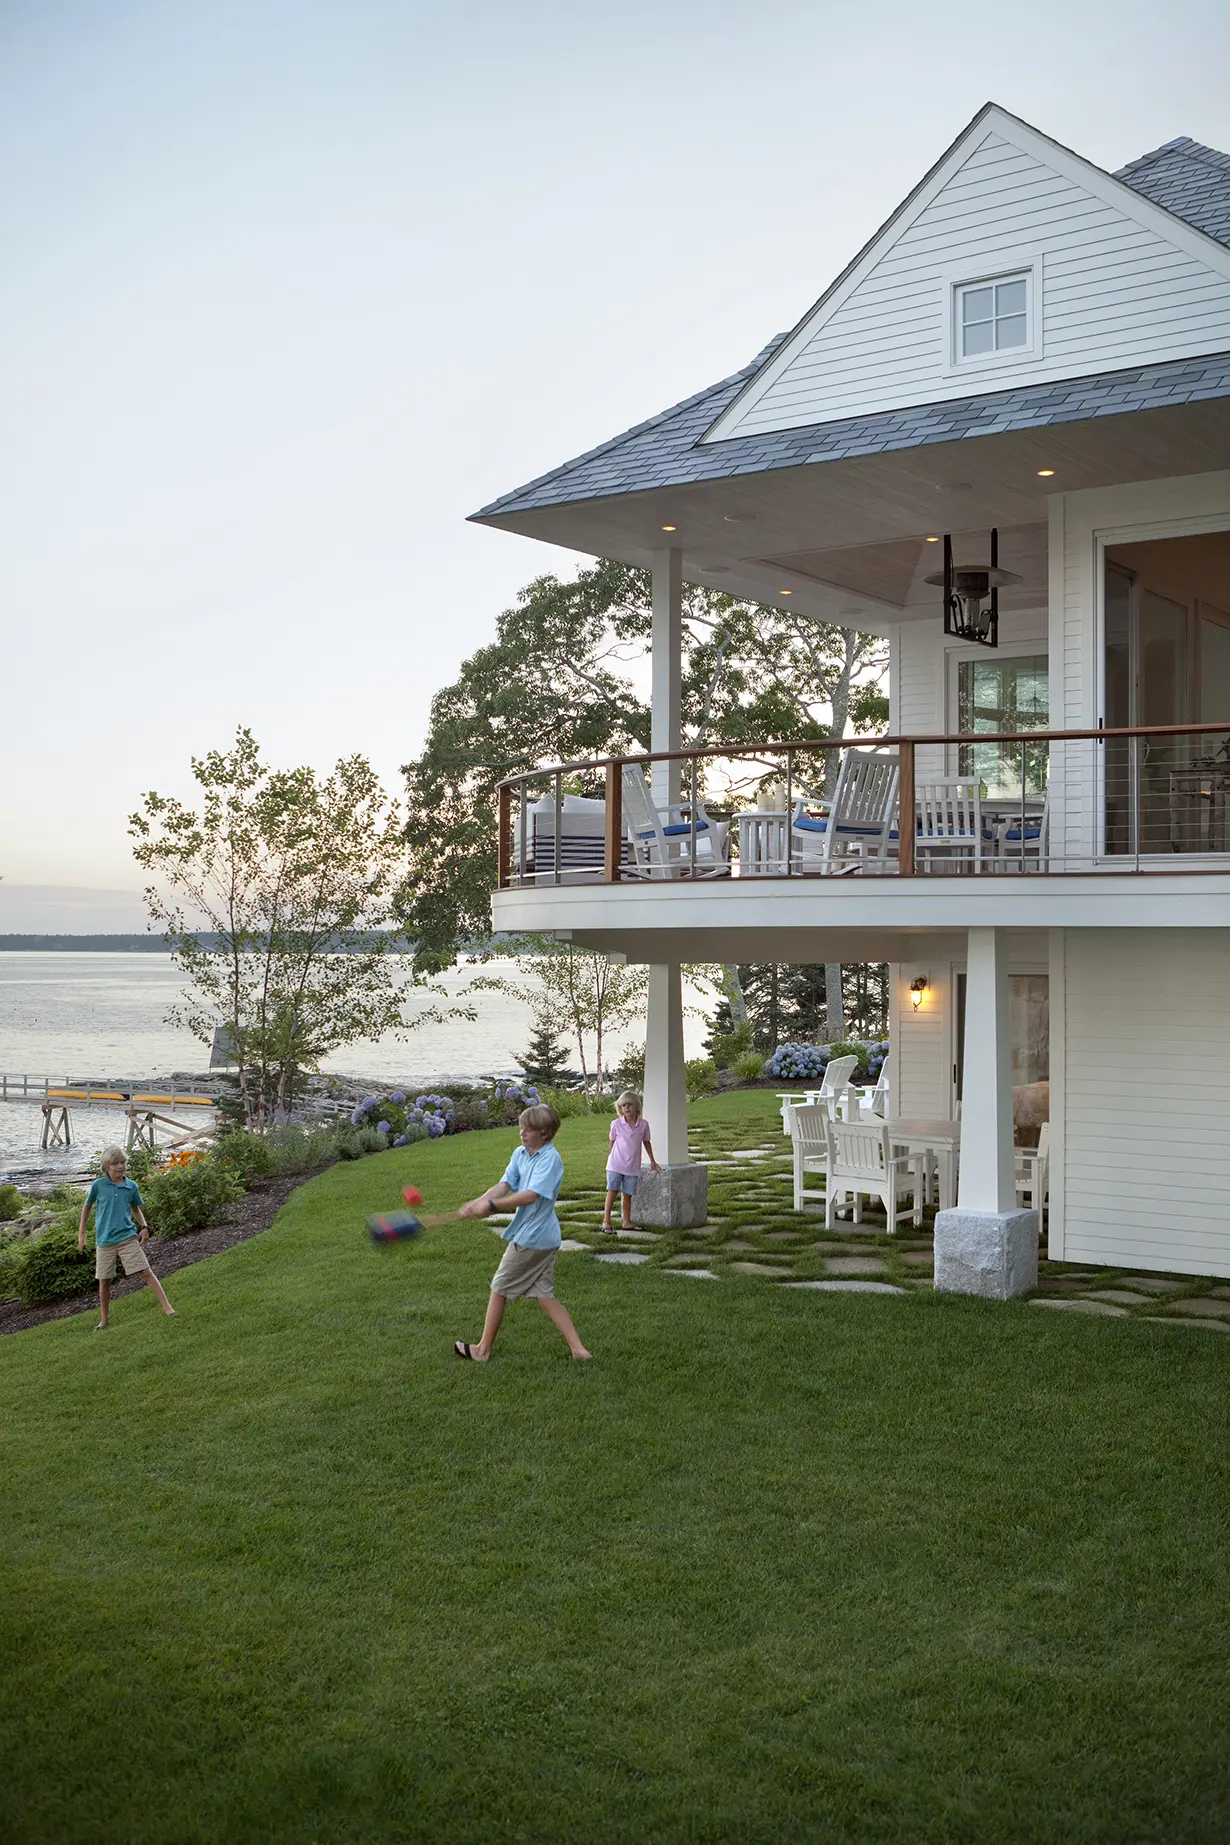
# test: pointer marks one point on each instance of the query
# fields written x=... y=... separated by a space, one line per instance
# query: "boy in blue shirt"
x=531 y=1185
x=115 y=1201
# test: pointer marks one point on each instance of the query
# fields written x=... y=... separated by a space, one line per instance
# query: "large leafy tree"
x=561 y=682
x=289 y=877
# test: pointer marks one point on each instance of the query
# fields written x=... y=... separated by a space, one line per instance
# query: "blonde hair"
x=629 y=1095
x=109 y=1155
x=542 y=1118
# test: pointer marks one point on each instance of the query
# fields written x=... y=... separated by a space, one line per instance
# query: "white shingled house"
x=1021 y=385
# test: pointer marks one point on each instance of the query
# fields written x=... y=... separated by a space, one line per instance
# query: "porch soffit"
x=756 y=530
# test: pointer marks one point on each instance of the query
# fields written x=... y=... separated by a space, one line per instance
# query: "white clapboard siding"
x=1146 y=1099
x=923 y=1042
x=1119 y=282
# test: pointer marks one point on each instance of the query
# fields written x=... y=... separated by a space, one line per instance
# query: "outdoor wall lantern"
x=971 y=594
x=918 y=987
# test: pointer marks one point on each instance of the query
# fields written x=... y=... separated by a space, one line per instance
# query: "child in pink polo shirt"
x=629 y=1133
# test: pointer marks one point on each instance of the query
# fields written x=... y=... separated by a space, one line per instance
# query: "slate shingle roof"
x=1187 y=179
x=1183 y=177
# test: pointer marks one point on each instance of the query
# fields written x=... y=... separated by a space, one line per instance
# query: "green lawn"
x=779 y=1565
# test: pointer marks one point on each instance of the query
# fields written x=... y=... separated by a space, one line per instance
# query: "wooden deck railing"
x=1115 y=779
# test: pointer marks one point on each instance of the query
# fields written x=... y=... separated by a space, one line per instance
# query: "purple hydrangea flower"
x=401 y=1141
x=397 y=1095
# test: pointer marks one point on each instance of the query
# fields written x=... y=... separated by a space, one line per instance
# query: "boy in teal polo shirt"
x=531 y=1185
x=115 y=1201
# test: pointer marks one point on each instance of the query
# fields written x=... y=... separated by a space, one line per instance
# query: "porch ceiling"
x=847 y=537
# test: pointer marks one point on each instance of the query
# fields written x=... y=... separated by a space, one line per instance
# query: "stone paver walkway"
x=752 y=1234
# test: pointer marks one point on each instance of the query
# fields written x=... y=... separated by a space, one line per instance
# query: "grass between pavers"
x=776 y=1566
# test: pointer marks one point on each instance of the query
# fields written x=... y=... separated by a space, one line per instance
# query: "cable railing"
x=1145 y=799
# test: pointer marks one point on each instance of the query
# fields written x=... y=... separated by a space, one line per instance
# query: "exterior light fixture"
x=1045 y=473
x=971 y=594
x=918 y=987
x=670 y=528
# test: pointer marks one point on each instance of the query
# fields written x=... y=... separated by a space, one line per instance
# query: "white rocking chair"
x=853 y=834
x=670 y=842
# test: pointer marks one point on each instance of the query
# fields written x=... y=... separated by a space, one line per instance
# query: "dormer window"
x=991 y=319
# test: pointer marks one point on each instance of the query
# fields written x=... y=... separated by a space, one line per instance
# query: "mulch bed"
x=254 y=1212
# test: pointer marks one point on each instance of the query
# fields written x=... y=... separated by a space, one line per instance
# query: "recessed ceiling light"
x=858 y=611
x=670 y=528
x=933 y=540
x=955 y=486
x=740 y=518
x=1045 y=473
x=785 y=592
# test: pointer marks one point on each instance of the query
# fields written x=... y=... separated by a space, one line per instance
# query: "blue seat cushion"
x=676 y=828
x=804 y=825
x=1031 y=832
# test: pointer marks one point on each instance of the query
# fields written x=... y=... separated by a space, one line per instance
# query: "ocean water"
x=78 y=1016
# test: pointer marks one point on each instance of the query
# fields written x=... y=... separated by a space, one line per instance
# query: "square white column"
x=666 y=728
x=680 y=1195
x=987 y=1246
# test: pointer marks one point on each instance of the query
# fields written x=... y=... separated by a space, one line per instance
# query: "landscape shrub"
x=182 y=1198
x=53 y=1268
x=301 y=1149
x=699 y=1077
x=11 y=1202
x=630 y=1071
x=797 y=1062
x=849 y=1048
x=568 y=1102
x=244 y=1154
x=505 y=1101
x=726 y=1047
x=749 y=1066
x=13 y=1246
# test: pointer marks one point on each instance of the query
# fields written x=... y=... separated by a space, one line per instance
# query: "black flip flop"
x=462 y=1350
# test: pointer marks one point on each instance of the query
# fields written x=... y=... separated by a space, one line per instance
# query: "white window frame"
x=1019 y=266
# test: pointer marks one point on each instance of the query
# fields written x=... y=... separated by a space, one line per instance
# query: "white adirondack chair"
x=874 y=1102
x=809 y=1141
x=854 y=833
x=861 y=1163
x=948 y=821
x=1033 y=1173
x=836 y=1082
x=662 y=838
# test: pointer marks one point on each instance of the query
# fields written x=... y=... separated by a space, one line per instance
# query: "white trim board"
x=900 y=361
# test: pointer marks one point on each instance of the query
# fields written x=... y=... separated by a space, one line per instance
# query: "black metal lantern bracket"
x=971 y=594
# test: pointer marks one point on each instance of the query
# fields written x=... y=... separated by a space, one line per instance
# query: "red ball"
x=412 y=1194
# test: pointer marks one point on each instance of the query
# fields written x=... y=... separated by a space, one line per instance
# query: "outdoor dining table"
x=942 y=1139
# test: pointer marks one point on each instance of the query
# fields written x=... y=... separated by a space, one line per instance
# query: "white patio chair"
x=662 y=838
x=811 y=1151
x=861 y=1162
x=873 y=1103
x=1030 y=844
x=948 y=821
x=1033 y=1173
x=853 y=834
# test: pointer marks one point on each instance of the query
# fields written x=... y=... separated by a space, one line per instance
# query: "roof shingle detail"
x=1188 y=180
x=666 y=451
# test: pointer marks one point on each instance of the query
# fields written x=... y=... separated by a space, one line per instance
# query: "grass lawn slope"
x=779 y=1565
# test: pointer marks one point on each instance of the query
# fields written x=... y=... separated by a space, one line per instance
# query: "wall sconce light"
x=918 y=987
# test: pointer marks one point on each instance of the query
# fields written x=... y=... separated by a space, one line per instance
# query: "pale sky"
x=289 y=288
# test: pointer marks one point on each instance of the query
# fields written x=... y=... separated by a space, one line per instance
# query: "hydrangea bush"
x=796 y=1062
x=400 y=1119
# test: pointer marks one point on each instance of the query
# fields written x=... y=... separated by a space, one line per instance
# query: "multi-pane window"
x=992 y=316
x=1004 y=694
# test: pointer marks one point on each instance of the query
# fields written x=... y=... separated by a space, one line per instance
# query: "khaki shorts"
x=129 y=1252
x=525 y=1272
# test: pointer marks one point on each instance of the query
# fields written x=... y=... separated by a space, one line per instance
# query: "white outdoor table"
x=763 y=842
x=941 y=1138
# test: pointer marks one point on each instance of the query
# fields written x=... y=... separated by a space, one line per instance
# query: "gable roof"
x=1188 y=180
x=1183 y=179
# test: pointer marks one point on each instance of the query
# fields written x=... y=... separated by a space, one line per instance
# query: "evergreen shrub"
x=11 y=1202
x=700 y=1077
x=182 y=1198
x=53 y=1268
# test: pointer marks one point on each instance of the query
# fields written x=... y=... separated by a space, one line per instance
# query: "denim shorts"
x=622 y=1182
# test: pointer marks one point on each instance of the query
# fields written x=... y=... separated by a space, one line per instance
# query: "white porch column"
x=679 y=1197
x=666 y=731
x=987 y=1246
